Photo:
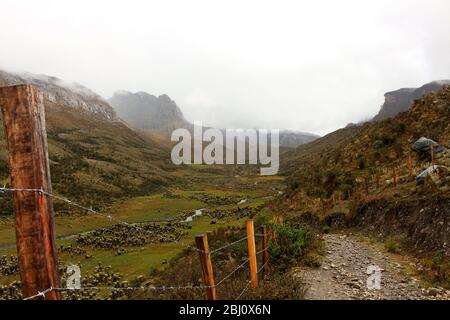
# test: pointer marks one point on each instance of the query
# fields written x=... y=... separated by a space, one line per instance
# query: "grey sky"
x=305 y=65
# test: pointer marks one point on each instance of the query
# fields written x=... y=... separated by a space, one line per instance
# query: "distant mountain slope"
x=400 y=100
x=293 y=139
x=148 y=112
x=161 y=114
x=307 y=153
x=94 y=157
x=58 y=91
x=342 y=159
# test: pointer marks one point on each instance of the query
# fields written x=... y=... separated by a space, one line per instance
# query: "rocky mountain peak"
x=57 y=91
x=148 y=112
x=400 y=100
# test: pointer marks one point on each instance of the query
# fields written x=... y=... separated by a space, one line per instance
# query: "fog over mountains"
x=148 y=112
x=160 y=114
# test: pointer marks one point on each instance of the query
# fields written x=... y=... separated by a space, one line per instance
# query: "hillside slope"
x=360 y=177
x=363 y=150
x=95 y=157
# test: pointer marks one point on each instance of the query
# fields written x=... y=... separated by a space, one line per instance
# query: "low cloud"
x=303 y=65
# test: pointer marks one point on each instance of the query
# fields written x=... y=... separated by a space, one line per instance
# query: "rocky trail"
x=344 y=273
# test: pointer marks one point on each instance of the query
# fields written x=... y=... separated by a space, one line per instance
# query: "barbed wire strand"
x=232 y=272
x=244 y=290
x=261 y=251
x=110 y=288
x=142 y=288
x=75 y=204
x=249 y=281
x=40 y=294
x=110 y=217
x=228 y=245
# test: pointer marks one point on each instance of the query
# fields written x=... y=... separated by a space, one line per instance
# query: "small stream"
x=197 y=213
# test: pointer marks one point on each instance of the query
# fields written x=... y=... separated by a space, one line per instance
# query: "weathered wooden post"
x=206 y=264
x=433 y=154
x=410 y=171
x=24 y=121
x=265 y=257
x=252 y=253
x=394 y=175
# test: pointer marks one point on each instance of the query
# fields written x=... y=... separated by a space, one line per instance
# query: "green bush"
x=392 y=246
x=289 y=246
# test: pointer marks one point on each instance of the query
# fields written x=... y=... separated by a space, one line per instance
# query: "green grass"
x=138 y=261
x=154 y=207
x=141 y=260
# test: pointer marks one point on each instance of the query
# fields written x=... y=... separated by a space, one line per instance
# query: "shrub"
x=437 y=269
x=289 y=245
x=392 y=246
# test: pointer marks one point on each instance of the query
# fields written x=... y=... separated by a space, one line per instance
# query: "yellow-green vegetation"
x=175 y=203
x=277 y=283
x=392 y=245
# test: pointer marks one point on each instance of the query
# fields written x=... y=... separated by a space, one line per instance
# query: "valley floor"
x=343 y=273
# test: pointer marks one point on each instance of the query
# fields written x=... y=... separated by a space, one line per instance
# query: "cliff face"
x=57 y=91
x=148 y=112
x=400 y=100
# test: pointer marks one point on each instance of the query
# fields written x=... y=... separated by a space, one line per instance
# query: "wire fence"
x=146 y=288
x=247 y=286
x=42 y=294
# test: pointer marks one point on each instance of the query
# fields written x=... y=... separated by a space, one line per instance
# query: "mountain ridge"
x=400 y=100
x=56 y=90
x=144 y=111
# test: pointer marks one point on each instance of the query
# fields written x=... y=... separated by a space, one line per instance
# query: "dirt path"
x=343 y=274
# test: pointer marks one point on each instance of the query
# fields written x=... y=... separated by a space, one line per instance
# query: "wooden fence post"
x=207 y=268
x=265 y=257
x=433 y=154
x=366 y=185
x=24 y=121
x=410 y=171
x=394 y=175
x=252 y=253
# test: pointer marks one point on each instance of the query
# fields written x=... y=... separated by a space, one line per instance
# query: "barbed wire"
x=75 y=204
x=138 y=288
x=228 y=245
x=244 y=290
x=261 y=251
x=40 y=294
x=142 y=288
x=110 y=217
x=249 y=281
x=110 y=288
x=233 y=272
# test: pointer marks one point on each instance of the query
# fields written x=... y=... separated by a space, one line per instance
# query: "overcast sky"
x=305 y=65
